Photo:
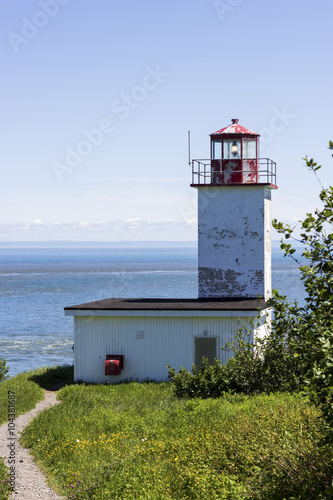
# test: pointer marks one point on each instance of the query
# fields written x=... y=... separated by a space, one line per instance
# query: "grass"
x=27 y=390
x=27 y=394
x=4 y=486
x=132 y=441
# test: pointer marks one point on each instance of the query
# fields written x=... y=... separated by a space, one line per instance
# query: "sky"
x=97 y=98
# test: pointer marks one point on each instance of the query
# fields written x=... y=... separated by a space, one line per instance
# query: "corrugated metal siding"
x=166 y=340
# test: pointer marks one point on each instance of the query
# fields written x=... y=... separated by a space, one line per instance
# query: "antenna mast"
x=189 y=148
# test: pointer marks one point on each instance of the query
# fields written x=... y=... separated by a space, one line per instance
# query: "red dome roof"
x=235 y=128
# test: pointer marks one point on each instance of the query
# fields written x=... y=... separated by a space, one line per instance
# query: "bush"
x=205 y=382
x=314 y=332
x=3 y=369
x=274 y=363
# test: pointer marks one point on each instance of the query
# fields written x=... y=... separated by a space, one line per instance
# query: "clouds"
x=132 y=229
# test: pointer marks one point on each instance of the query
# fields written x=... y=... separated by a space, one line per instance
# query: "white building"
x=121 y=339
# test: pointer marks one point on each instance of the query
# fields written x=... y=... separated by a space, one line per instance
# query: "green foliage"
x=287 y=355
x=267 y=364
x=273 y=363
x=132 y=441
x=4 y=482
x=3 y=369
x=207 y=381
x=314 y=330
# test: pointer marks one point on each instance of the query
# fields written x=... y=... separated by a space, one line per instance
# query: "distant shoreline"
x=111 y=244
x=98 y=244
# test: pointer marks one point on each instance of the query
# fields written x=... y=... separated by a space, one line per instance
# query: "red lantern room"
x=234 y=153
x=234 y=159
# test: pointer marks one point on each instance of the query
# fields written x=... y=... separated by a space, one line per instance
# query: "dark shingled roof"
x=172 y=305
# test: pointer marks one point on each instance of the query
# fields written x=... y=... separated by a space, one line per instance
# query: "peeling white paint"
x=234 y=241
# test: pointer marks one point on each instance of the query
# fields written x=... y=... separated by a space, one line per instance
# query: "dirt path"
x=30 y=483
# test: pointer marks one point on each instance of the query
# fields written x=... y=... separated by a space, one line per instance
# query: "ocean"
x=38 y=280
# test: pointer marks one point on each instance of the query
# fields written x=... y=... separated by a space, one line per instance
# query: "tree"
x=314 y=332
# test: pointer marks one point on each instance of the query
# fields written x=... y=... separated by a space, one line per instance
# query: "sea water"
x=38 y=281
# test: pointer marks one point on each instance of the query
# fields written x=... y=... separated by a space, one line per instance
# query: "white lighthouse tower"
x=234 y=216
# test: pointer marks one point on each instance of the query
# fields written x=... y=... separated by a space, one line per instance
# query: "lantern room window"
x=249 y=148
x=234 y=149
x=217 y=150
x=231 y=149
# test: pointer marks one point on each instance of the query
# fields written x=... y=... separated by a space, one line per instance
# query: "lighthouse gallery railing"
x=240 y=171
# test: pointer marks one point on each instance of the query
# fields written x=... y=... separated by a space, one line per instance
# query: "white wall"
x=166 y=340
x=234 y=241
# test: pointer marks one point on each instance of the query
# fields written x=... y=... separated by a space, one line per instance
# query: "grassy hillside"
x=27 y=388
x=136 y=440
x=26 y=393
x=131 y=441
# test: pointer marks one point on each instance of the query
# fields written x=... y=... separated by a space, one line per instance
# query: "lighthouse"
x=234 y=216
x=119 y=339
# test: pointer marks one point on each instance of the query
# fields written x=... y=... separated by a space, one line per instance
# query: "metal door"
x=204 y=346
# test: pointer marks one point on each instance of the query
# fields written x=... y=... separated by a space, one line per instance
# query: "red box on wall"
x=114 y=364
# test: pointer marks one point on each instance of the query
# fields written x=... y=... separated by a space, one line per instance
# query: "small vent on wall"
x=140 y=335
x=114 y=363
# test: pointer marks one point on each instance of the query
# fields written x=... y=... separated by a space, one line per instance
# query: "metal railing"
x=238 y=171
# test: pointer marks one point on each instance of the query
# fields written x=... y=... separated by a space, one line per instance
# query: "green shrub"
x=271 y=364
x=314 y=332
x=207 y=381
x=3 y=369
